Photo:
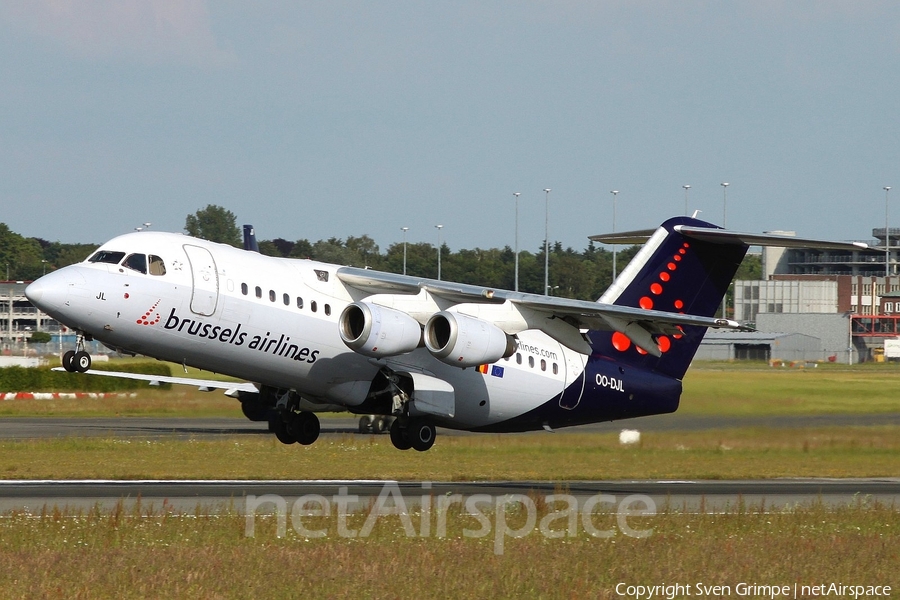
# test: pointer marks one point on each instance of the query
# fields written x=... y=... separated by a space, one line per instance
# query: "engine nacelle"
x=377 y=331
x=464 y=341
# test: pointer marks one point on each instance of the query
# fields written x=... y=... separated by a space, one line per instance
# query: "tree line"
x=582 y=274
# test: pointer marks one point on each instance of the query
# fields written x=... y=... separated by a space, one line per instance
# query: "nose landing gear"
x=78 y=360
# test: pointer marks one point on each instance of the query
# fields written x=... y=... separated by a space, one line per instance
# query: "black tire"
x=398 y=436
x=68 y=361
x=379 y=425
x=281 y=432
x=82 y=361
x=365 y=424
x=305 y=427
x=421 y=435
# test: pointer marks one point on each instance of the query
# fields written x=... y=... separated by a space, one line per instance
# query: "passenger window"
x=531 y=361
x=105 y=256
x=518 y=358
x=244 y=289
x=157 y=265
x=543 y=365
x=271 y=295
x=299 y=302
x=287 y=300
x=258 y=292
x=555 y=369
x=327 y=310
x=312 y=306
x=136 y=262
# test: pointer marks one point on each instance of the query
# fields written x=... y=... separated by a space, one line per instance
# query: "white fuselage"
x=274 y=321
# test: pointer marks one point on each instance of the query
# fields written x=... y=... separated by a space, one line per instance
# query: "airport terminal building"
x=849 y=300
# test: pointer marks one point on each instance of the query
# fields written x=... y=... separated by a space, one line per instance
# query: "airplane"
x=306 y=336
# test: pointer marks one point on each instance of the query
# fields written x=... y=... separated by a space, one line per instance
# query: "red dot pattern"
x=146 y=318
x=621 y=342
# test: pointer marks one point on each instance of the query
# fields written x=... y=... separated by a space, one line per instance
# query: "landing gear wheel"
x=282 y=433
x=399 y=437
x=68 y=361
x=365 y=424
x=82 y=361
x=379 y=425
x=421 y=435
x=305 y=427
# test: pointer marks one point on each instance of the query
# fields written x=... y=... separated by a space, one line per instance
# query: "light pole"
x=517 y=194
x=404 y=230
x=724 y=203
x=546 y=240
x=439 y=227
x=615 y=194
x=44 y=265
x=686 y=188
x=887 y=237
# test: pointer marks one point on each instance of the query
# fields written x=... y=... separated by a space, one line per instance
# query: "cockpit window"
x=136 y=262
x=105 y=256
x=157 y=265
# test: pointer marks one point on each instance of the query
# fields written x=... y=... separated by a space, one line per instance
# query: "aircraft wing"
x=205 y=385
x=376 y=282
x=561 y=318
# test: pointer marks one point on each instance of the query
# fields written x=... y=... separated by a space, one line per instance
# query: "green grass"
x=709 y=389
x=156 y=553
x=784 y=391
x=716 y=454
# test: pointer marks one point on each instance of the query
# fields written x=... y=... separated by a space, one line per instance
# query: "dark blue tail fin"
x=250 y=239
x=672 y=273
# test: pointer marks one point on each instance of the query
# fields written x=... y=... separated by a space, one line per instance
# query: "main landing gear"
x=292 y=425
x=78 y=360
x=414 y=433
x=299 y=427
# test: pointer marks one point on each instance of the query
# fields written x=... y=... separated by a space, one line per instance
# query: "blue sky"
x=313 y=120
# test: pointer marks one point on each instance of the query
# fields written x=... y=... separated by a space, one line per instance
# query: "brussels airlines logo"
x=280 y=346
x=146 y=320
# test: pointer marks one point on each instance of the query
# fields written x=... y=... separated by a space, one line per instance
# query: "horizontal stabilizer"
x=724 y=236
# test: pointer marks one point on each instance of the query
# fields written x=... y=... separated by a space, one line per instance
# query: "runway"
x=12 y=428
x=213 y=496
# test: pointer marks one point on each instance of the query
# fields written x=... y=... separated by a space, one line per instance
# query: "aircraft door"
x=205 y=276
x=573 y=387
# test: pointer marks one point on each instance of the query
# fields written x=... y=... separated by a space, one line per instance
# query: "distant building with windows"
x=842 y=297
x=18 y=317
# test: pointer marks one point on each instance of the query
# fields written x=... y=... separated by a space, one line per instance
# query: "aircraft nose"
x=35 y=291
x=49 y=293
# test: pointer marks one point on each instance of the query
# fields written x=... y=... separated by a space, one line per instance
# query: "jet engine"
x=377 y=331
x=464 y=341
